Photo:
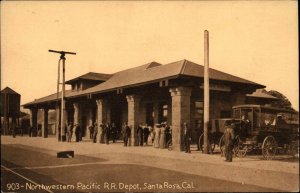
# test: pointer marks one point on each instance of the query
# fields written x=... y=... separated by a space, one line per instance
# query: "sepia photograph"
x=149 y=96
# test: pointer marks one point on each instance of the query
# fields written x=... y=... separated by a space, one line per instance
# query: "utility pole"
x=206 y=90
x=63 y=58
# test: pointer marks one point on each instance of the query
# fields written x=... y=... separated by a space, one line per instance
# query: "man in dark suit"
x=95 y=132
x=187 y=137
x=77 y=132
x=140 y=135
x=113 y=132
x=245 y=127
x=91 y=129
x=107 y=133
x=146 y=134
x=126 y=133
x=229 y=141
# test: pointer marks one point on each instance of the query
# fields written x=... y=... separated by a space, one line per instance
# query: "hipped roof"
x=91 y=76
x=145 y=74
x=8 y=90
x=149 y=73
x=260 y=94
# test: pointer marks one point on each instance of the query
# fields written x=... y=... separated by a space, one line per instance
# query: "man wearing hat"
x=77 y=132
x=95 y=133
x=229 y=139
x=70 y=131
x=187 y=137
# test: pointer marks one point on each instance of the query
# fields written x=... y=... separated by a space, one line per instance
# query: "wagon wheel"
x=269 y=147
x=239 y=149
x=201 y=142
x=222 y=146
x=169 y=145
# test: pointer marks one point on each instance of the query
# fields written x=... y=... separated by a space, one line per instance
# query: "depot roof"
x=149 y=73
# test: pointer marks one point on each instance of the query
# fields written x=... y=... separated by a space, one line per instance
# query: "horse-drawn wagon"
x=267 y=130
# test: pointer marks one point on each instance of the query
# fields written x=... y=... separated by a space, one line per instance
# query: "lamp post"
x=63 y=58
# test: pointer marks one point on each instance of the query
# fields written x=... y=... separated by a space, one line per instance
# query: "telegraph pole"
x=63 y=58
x=206 y=90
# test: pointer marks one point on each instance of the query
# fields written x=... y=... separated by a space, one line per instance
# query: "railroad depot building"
x=149 y=94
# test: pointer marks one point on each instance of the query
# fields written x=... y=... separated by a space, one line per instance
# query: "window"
x=236 y=114
x=267 y=118
x=198 y=109
x=225 y=114
x=165 y=113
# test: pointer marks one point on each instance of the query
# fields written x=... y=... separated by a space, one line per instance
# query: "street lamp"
x=62 y=57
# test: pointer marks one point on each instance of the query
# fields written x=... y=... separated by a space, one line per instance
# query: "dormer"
x=87 y=80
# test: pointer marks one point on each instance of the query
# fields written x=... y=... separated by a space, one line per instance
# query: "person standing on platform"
x=107 y=133
x=162 y=139
x=95 y=132
x=77 y=132
x=156 y=135
x=168 y=134
x=229 y=140
x=113 y=132
x=101 y=130
x=146 y=134
x=126 y=133
x=151 y=130
x=70 y=131
x=187 y=137
x=140 y=135
x=91 y=129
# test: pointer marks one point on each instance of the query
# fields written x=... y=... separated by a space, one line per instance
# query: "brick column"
x=45 y=123
x=180 y=114
x=133 y=116
x=77 y=118
x=89 y=122
x=101 y=116
x=33 y=121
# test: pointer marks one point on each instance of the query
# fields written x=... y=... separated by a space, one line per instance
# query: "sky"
x=255 y=40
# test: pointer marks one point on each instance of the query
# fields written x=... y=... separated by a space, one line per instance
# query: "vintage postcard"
x=149 y=96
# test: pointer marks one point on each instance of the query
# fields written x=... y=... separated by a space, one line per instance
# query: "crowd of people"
x=145 y=135
x=158 y=136
x=107 y=132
